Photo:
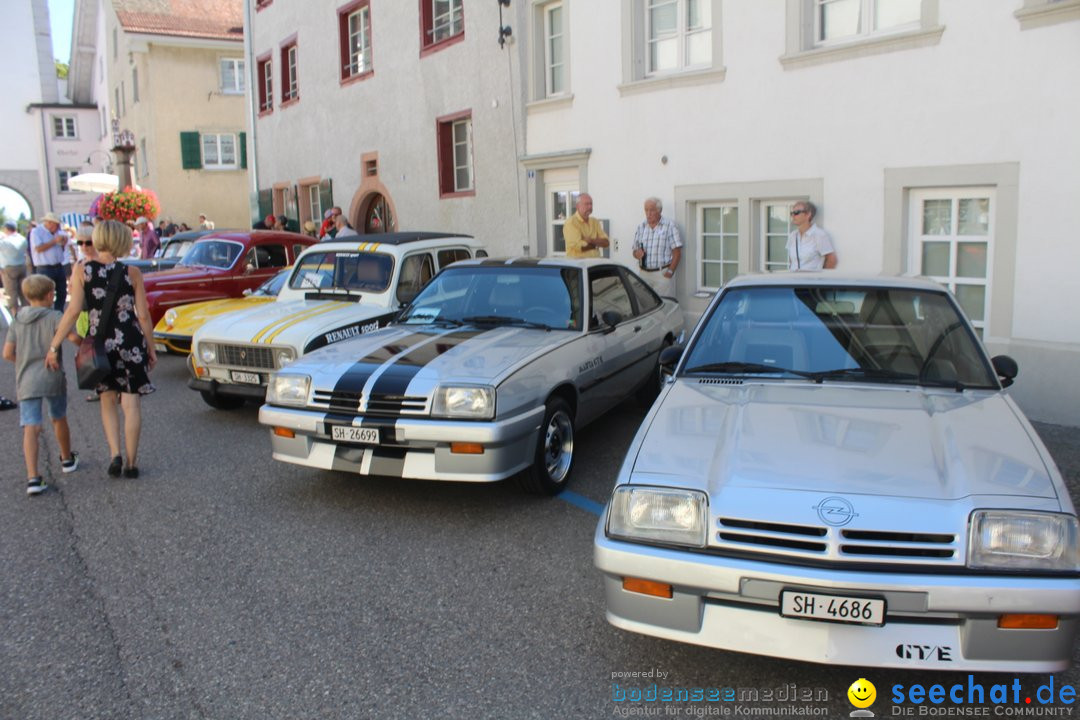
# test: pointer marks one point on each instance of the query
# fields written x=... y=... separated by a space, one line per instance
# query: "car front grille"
x=835 y=543
x=246 y=356
x=381 y=404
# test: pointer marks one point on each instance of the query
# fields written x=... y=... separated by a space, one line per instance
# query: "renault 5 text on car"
x=222 y=265
x=835 y=474
x=338 y=290
x=486 y=374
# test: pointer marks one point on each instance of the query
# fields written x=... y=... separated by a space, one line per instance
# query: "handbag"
x=92 y=365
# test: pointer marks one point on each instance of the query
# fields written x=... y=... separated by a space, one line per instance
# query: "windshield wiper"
x=334 y=293
x=505 y=320
x=863 y=373
x=748 y=367
x=430 y=319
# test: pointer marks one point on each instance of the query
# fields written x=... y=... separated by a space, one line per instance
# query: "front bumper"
x=417 y=448
x=938 y=621
x=180 y=344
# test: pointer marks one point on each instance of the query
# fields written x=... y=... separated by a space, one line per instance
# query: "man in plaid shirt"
x=659 y=248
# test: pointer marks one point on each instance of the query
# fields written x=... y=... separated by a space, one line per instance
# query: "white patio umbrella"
x=94 y=182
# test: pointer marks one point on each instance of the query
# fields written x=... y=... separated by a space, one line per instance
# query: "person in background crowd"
x=130 y=354
x=809 y=247
x=170 y=228
x=70 y=257
x=48 y=246
x=13 y=265
x=184 y=227
x=84 y=239
x=583 y=233
x=205 y=223
x=27 y=345
x=148 y=239
x=328 y=223
x=310 y=229
x=659 y=248
x=160 y=229
x=344 y=229
x=281 y=223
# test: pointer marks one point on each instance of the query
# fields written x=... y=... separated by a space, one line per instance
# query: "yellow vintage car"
x=173 y=332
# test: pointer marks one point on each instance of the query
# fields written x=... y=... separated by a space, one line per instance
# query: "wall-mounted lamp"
x=106 y=166
x=504 y=30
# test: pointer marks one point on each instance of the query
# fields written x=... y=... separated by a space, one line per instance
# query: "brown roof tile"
x=218 y=19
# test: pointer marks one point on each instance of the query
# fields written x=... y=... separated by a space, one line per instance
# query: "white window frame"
x=550 y=61
x=68 y=129
x=315 y=203
x=467 y=143
x=218 y=163
x=63 y=175
x=867 y=23
x=954 y=239
x=450 y=22
x=764 y=234
x=239 y=81
x=702 y=236
x=359 y=41
x=267 y=104
x=573 y=191
x=681 y=35
x=292 y=90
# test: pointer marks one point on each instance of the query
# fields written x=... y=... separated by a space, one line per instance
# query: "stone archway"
x=26 y=183
x=372 y=208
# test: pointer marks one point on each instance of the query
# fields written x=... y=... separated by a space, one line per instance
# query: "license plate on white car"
x=347 y=433
x=833 y=608
x=160 y=347
x=245 y=377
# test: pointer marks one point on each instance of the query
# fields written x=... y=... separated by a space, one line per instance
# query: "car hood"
x=412 y=359
x=191 y=317
x=287 y=324
x=757 y=440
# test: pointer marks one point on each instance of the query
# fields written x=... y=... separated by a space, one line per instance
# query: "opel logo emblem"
x=835 y=511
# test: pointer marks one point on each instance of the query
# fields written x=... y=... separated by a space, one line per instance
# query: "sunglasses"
x=798 y=212
x=84 y=242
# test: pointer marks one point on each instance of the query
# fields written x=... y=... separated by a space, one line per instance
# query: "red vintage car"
x=223 y=264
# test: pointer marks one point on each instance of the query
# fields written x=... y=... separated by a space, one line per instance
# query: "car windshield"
x=345 y=270
x=273 y=286
x=547 y=297
x=859 y=334
x=213 y=253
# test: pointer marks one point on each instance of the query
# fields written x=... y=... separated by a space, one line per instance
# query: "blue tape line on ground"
x=582 y=502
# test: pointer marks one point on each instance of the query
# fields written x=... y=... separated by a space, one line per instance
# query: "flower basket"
x=126 y=205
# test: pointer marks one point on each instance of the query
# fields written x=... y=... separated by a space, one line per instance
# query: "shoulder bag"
x=92 y=364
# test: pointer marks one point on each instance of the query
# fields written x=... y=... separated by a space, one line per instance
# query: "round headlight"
x=207 y=353
x=170 y=318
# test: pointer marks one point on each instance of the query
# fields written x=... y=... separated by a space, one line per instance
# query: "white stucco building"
x=937 y=137
x=406 y=114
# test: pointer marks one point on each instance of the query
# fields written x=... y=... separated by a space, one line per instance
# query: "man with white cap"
x=48 y=246
x=13 y=265
x=148 y=239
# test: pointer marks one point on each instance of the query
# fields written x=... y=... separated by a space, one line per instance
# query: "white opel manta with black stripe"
x=338 y=289
x=485 y=375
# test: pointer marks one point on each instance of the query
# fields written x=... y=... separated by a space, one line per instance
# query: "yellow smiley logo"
x=862 y=693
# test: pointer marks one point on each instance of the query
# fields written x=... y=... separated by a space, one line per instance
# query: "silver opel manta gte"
x=833 y=473
x=486 y=374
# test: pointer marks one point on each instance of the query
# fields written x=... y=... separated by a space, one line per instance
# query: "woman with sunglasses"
x=808 y=246
x=84 y=243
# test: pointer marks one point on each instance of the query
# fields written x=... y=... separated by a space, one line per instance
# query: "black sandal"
x=6 y=404
x=131 y=472
x=116 y=466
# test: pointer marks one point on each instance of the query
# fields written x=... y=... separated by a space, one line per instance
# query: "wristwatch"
x=53 y=350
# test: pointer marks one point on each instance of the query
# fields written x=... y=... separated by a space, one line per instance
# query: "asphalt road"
x=222 y=584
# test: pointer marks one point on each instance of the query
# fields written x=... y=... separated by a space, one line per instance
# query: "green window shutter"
x=266 y=204
x=243 y=150
x=326 y=196
x=190 y=151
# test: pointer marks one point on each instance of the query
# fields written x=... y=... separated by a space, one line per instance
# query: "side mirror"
x=611 y=318
x=247 y=291
x=669 y=358
x=1006 y=368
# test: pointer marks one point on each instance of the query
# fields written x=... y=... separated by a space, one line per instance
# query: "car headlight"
x=285 y=389
x=654 y=514
x=283 y=357
x=1023 y=540
x=208 y=353
x=464 y=401
x=170 y=318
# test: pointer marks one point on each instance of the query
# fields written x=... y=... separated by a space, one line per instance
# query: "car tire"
x=646 y=394
x=221 y=402
x=554 y=456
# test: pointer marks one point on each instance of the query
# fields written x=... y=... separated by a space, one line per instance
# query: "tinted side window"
x=416 y=271
x=271 y=256
x=608 y=293
x=452 y=255
x=646 y=299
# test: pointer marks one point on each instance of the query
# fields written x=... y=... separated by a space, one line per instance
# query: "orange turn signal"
x=466 y=448
x=647 y=587
x=1027 y=622
x=284 y=432
x=200 y=371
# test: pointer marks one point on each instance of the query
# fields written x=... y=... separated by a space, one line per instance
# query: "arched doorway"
x=378 y=215
x=15 y=204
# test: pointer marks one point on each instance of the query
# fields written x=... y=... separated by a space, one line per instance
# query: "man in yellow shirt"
x=583 y=233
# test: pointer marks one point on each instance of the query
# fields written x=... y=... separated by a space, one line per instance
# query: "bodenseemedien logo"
x=862 y=695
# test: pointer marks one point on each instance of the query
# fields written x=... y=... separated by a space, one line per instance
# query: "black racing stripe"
x=354 y=379
x=396 y=378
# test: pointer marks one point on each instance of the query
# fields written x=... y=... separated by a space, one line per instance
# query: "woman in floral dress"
x=130 y=354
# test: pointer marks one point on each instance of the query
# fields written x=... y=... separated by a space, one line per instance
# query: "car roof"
x=831 y=278
x=398 y=238
x=528 y=261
